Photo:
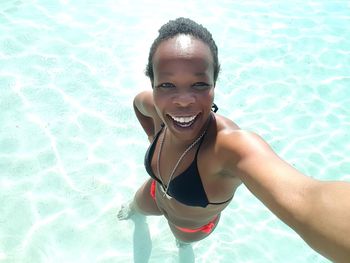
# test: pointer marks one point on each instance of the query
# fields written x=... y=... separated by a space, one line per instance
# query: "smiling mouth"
x=184 y=121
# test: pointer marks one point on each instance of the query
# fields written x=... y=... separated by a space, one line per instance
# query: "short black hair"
x=185 y=26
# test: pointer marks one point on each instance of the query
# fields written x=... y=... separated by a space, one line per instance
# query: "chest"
x=193 y=177
x=169 y=163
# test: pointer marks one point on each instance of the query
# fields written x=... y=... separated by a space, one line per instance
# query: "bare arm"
x=327 y=225
x=146 y=113
x=318 y=211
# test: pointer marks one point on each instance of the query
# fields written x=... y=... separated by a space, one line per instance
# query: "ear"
x=214 y=108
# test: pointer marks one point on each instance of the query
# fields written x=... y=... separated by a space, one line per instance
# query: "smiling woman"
x=189 y=187
x=198 y=158
x=71 y=149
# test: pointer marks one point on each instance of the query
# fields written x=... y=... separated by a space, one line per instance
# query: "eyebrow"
x=200 y=73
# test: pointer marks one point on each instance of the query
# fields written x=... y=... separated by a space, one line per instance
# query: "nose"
x=184 y=99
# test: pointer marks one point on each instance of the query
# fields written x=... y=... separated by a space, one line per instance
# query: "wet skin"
x=317 y=210
x=184 y=87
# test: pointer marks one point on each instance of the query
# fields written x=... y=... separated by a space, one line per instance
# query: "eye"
x=165 y=85
x=201 y=85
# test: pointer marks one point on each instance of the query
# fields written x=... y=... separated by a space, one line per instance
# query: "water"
x=71 y=149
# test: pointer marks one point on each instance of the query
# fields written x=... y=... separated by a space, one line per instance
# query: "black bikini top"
x=187 y=188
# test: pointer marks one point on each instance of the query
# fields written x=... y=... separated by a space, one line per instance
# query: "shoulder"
x=144 y=102
x=234 y=145
x=231 y=136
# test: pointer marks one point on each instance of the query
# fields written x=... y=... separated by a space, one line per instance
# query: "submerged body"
x=205 y=152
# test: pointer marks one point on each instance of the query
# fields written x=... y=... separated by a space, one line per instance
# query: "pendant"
x=167 y=196
x=165 y=191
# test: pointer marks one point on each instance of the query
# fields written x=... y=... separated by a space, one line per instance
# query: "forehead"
x=183 y=47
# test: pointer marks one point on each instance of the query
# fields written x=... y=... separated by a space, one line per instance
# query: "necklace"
x=178 y=161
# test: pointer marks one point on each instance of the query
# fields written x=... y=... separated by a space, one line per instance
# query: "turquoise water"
x=71 y=149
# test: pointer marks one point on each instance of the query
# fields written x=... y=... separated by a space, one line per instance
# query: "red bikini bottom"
x=205 y=229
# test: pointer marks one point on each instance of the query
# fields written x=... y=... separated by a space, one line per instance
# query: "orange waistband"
x=205 y=229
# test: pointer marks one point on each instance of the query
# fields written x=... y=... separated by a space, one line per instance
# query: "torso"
x=219 y=185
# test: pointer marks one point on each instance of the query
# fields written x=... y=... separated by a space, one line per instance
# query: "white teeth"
x=183 y=119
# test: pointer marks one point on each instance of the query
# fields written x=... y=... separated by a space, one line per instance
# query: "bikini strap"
x=155 y=138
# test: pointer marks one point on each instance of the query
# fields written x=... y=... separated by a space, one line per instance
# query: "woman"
x=198 y=158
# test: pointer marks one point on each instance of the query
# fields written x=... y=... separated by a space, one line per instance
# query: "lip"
x=187 y=115
x=178 y=126
x=178 y=115
x=189 y=118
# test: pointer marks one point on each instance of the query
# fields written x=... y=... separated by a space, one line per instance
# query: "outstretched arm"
x=318 y=211
x=327 y=224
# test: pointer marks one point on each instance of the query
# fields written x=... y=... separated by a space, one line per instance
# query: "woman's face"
x=183 y=88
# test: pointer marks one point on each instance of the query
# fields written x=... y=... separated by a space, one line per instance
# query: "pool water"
x=71 y=149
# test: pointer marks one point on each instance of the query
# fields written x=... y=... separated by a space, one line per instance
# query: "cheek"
x=208 y=98
x=158 y=108
x=162 y=99
x=157 y=98
x=212 y=94
x=159 y=102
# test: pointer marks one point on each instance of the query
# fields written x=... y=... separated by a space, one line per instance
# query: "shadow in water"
x=186 y=254
x=141 y=239
x=143 y=244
